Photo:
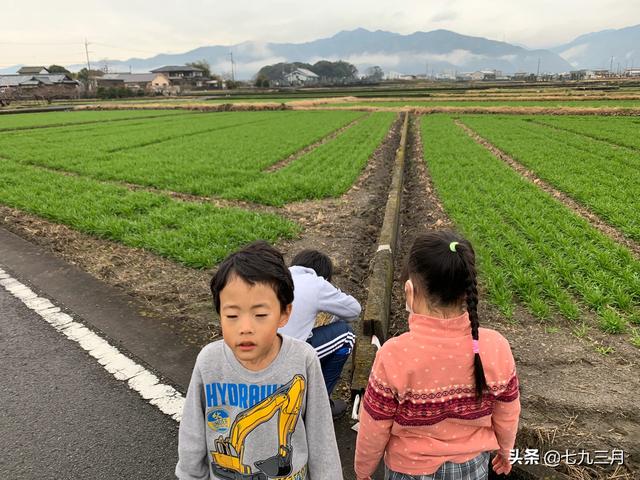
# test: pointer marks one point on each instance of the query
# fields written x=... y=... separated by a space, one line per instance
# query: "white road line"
x=166 y=398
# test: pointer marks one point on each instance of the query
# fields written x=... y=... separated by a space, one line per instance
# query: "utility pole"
x=86 y=50
x=233 y=78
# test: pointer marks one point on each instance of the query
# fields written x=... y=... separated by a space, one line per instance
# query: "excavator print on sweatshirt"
x=227 y=459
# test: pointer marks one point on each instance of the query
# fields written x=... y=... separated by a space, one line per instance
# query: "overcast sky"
x=39 y=32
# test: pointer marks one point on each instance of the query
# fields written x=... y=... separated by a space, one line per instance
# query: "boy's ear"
x=284 y=315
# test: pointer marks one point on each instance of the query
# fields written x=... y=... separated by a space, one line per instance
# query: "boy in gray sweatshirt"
x=257 y=407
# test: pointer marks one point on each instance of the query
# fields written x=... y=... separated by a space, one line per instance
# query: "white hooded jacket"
x=312 y=294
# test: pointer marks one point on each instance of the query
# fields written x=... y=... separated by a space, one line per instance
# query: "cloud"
x=254 y=49
x=571 y=54
x=388 y=61
x=133 y=28
x=246 y=69
x=444 y=16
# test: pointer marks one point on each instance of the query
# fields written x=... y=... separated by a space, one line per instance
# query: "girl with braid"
x=443 y=395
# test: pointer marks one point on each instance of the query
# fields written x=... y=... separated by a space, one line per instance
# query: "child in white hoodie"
x=313 y=293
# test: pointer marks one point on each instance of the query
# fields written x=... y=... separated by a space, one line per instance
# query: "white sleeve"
x=335 y=302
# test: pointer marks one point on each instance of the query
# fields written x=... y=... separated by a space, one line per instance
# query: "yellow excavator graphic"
x=228 y=455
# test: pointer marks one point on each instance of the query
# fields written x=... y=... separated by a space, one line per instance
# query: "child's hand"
x=501 y=464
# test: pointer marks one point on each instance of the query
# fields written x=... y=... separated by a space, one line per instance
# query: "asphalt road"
x=62 y=416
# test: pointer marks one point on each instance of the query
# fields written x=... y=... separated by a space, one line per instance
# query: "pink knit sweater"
x=419 y=409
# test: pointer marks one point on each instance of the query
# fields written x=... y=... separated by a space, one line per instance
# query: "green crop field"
x=199 y=153
x=74 y=170
x=196 y=234
x=603 y=177
x=605 y=103
x=530 y=246
x=35 y=120
x=620 y=131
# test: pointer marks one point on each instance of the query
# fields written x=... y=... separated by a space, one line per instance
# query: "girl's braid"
x=471 y=295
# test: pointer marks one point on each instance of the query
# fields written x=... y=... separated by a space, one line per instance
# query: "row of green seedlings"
x=327 y=171
x=198 y=235
x=204 y=154
x=59 y=119
x=228 y=162
x=618 y=131
x=603 y=177
x=604 y=103
x=95 y=142
x=529 y=245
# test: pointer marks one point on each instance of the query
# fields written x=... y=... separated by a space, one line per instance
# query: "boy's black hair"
x=445 y=272
x=318 y=261
x=258 y=262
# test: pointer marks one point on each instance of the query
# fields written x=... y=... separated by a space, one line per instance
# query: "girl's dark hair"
x=258 y=262
x=318 y=261
x=444 y=277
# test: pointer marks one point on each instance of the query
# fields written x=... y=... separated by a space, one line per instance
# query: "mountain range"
x=420 y=52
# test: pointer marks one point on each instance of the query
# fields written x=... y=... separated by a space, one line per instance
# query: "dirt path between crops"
x=347 y=227
x=420 y=210
x=565 y=199
x=573 y=397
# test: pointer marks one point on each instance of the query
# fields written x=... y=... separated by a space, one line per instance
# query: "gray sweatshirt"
x=274 y=423
x=311 y=295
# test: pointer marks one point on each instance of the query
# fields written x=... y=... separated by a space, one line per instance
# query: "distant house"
x=578 y=74
x=301 y=76
x=487 y=75
x=56 y=85
x=524 y=76
x=183 y=75
x=33 y=71
x=147 y=82
x=632 y=72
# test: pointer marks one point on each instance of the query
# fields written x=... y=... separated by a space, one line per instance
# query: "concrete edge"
x=375 y=319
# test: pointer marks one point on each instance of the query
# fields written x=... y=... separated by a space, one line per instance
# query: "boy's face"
x=250 y=316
